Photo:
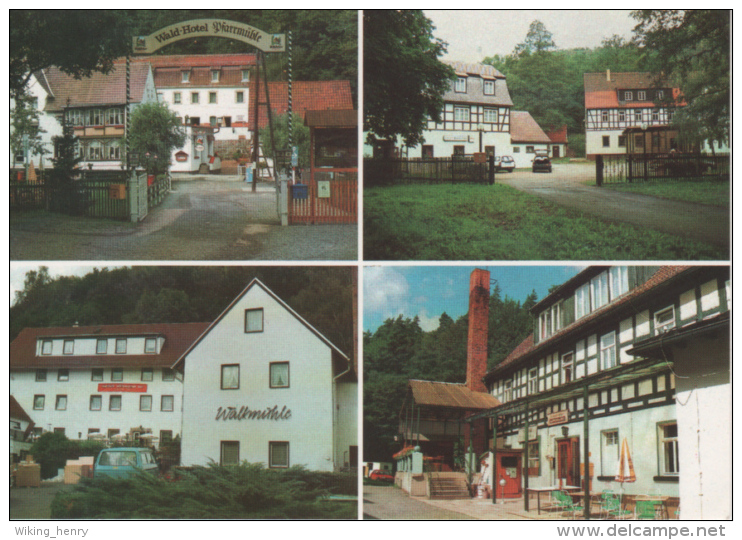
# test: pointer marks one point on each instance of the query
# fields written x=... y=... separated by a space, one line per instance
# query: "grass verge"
x=475 y=222
x=700 y=191
x=246 y=491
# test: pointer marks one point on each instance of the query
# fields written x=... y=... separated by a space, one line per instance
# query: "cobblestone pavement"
x=201 y=219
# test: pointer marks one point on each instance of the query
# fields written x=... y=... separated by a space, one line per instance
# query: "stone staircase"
x=448 y=485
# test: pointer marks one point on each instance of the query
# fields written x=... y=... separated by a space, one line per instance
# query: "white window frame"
x=582 y=301
x=608 y=440
x=239 y=96
x=460 y=112
x=618 y=281
x=44 y=350
x=628 y=95
x=215 y=75
x=490 y=116
x=660 y=327
x=641 y=95
x=507 y=391
x=245 y=75
x=195 y=98
x=604 y=116
x=212 y=98
x=568 y=367
x=533 y=381
x=177 y=98
x=185 y=76
x=666 y=442
x=460 y=85
x=660 y=94
x=608 y=351
x=621 y=116
x=489 y=85
x=599 y=291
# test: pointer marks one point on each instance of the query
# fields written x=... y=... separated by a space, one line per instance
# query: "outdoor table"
x=540 y=490
x=660 y=509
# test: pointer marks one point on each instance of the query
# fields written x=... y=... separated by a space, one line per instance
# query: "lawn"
x=477 y=222
x=701 y=191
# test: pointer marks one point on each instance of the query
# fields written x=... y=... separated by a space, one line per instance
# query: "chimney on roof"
x=608 y=75
x=479 y=310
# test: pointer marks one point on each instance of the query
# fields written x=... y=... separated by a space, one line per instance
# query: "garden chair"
x=611 y=507
x=566 y=503
x=645 y=510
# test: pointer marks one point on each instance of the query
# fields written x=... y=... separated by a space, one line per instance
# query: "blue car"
x=122 y=462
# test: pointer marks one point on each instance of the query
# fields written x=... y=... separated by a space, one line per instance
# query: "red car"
x=377 y=474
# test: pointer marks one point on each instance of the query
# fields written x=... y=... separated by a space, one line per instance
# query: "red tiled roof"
x=98 y=89
x=178 y=337
x=601 y=93
x=450 y=395
x=337 y=118
x=524 y=129
x=306 y=95
x=17 y=412
x=558 y=136
x=527 y=346
x=196 y=60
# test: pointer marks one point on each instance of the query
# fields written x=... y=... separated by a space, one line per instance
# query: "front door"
x=509 y=468
x=555 y=151
x=568 y=469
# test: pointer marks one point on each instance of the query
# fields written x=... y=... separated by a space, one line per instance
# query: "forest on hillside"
x=400 y=350
x=173 y=294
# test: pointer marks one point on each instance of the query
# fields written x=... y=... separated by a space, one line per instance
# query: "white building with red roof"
x=527 y=138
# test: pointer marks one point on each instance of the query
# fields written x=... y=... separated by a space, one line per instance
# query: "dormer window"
x=489 y=88
x=660 y=94
x=641 y=95
x=121 y=346
x=245 y=75
x=214 y=75
x=550 y=321
x=599 y=290
x=664 y=320
x=101 y=346
x=69 y=346
x=46 y=347
x=619 y=281
x=185 y=76
x=460 y=85
x=628 y=95
x=150 y=345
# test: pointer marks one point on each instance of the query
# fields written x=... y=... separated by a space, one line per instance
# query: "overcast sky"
x=428 y=291
x=474 y=35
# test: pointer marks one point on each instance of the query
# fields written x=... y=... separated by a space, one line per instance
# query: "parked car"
x=377 y=474
x=541 y=163
x=504 y=163
x=124 y=461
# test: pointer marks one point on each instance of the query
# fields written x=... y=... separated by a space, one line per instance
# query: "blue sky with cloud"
x=428 y=291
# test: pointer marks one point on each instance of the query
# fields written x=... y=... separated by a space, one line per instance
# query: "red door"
x=509 y=468
x=569 y=461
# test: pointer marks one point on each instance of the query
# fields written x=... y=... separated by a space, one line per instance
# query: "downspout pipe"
x=334 y=415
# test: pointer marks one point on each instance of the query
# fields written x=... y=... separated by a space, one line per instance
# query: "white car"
x=504 y=163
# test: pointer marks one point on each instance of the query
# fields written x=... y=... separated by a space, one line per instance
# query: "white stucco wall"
x=47 y=123
x=524 y=159
x=594 y=142
x=309 y=430
x=347 y=422
x=444 y=141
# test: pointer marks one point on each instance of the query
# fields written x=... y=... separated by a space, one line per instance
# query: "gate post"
x=133 y=196
x=599 y=170
x=283 y=202
x=491 y=170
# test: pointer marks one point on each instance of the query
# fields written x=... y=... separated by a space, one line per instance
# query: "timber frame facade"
x=578 y=386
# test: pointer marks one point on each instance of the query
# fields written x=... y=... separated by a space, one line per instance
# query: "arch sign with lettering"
x=210 y=28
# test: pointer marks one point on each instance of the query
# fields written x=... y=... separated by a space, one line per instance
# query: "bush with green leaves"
x=52 y=450
x=212 y=492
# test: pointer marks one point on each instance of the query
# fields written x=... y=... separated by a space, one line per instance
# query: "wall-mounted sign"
x=246 y=413
x=209 y=28
x=457 y=138
x=480 y=157
x=532 y=433
x=556 y=418
x=323 y=189
x=122 y=387
x=181 y=156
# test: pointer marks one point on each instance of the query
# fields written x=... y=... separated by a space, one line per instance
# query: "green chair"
x=611 y=507
x=645 y=510
x=566 y=503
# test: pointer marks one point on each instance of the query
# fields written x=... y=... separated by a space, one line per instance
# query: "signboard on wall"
x=122 y=387
x=556 y=418
x=457 y=138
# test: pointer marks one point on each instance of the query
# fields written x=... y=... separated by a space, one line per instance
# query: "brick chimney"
x=479 y=310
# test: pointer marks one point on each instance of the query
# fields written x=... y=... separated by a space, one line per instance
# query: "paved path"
x=202 y=219
x=565 y=187
x=33 y=503
x=381 y=502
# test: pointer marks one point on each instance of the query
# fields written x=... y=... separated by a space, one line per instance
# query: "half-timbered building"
x=615 y=355
x=635 y=101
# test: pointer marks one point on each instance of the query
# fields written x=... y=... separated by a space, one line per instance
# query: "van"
x=122 y=462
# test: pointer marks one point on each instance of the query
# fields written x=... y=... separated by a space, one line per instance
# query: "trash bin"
x=150 y=179
x=299 y=191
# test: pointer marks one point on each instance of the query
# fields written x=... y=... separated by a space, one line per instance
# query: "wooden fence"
x=645 y=167
x=454 y=169
x=327 y=198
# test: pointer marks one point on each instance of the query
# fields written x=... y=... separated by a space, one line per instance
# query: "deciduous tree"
x=155 y=132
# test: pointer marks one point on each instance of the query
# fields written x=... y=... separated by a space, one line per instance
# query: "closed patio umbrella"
x=625 y=471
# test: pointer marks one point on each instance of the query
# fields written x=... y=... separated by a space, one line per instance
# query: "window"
x=582 y=301
x=95 y=150
x=40 y=375
x=516 y=149
x=628 y=95
x=114 y=403
x=599 y=290
x=639 y=140
x=609 y=449
x=254 y=320
x=567 y=368
x=176 y=98
x=38 y=402
x=489 y=88
x=606 y=141
x=113 y=150
x=507 y=394
x=167 y=403
x=660 y=94
x=230 y=453
x=619 y=281
x=115 y=116
x=92 y=431
x=145 y=403
x=490 y=116
x=112 y=432
x=63 y=375
x=121 y=346
x=101 y=346
x=621 y=116
x=96 y=374
x=214 y=75
x=428 y=151
x=460 y=85
x=212 y=121
x=245 y=75
x=150 y=345
x=195 y=120
x=638 y=113
x=168 y=374
x=95 y=118
x=117 y=374
x=608 y=351
x=664 y=320
x=147 y=374
x=212 y=97
x=194 y=97
x=459 y=150
x=278 y=454
x=622 y=141
x=59 y=430
x=185 y=76
x=69 y=346
x=279 y=375
x=231 y=377
x=533 y=381
x=668 y=440
x=604 y=116
x=166 y=435
x=96 y=402
x=61 y=403
x=655 y=115
x=534 y=458
x=461 y=114
x=239 y=96
x=530 y=150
